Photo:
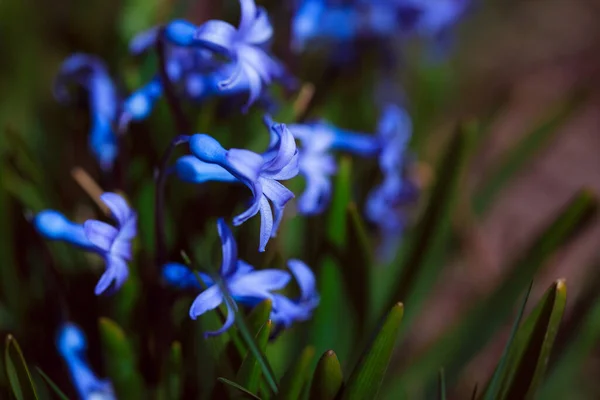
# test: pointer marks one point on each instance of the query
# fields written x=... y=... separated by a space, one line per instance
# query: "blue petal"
x=244 y=164
x=116 y=274
x=192 y=170
x=279 y=196
x=258 y=283
x=286 y=149
x=139 y=105
x=261 y=29
x=266 y=223
x=117 y=206
x=356 y=143
x=181 y=32
x=209 y=299
x=305 y=278
x=247 y=15
x=55 y=226
x=218 y=36
x=229 y=249
x=100 y=234
x=228 y=323
x=181 y=276
x=143 y=40
x=207 y=149
x=70 y=340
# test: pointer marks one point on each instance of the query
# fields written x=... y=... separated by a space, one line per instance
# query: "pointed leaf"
x=328 y=379
x=19 y=377
x=250 y=371
x=52 y=385
x=533 y=344
x=120 y=360
x=239 y=388
x=503 y=368
x=259 y=316
x=487 y=315
x=365 y=381
x=295 y=378
x=442 y=385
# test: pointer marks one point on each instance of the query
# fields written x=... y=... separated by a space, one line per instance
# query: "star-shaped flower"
x=243 y=282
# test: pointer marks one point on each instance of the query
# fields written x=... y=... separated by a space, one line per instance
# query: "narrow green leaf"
x=442 y=385
x=366 y=379
x=357 y=259
x=259 y=316
x=521 y=155
x=250 y=370
x=175 y=371
x=342 y=194
x=533 y=344
x=52 y=385
x=239 y=388
x=328 y=379
x=17 y=376
x=503 y=367
x=120 y=360
x=422 y=266
x=487 y=315
x=295 y=378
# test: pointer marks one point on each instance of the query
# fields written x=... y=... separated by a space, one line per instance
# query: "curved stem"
x=159 y=214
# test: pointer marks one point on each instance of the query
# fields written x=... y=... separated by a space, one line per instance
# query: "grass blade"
x=239 y=388
x=365 y=381
x=250 y=371
x=52 y=385
x=295 y=378
x=15 y=377
x=442 y=385
x=328 y=379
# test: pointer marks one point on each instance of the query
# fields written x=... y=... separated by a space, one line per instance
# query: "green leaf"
x=442 y=385
x=534 y=344
x=422 y=264
x=342 y=195
x=18 y=375
x=521 y=155
x=250 y=370
x=357 y=259
x=52 y=385
x=328 y=379
x=239 y=388
x=487 y=315
x=259 y=316
x=295 y=378
x=366 y=379
x=503 y=368
x=120 y=360
x=175 y=371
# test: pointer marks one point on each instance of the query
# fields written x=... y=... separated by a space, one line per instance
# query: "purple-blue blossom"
x=260 y=173
x=245 y=46
x=243 y=282
x=112 y=243
x=72 y=345
x=91 y=73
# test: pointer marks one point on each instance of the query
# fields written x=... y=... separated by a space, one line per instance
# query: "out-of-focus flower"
x=111 y=243
x=385 y=203
x=261 y=173
x=245 y=46
x=244 y=283
x=285 y=311
x=91 y=73
x=316 y=163
x=72 y=344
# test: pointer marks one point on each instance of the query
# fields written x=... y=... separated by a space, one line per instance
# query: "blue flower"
x=433 y=16
x=111 y=243
x=244 y=46
x=72 y=344
x=91 y=73
x=260 y=173
x=285 y=311
x=385 y=202
x=243 y=282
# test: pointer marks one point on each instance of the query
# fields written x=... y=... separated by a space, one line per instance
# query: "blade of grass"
x=295 y=378
x=328 y=379
x=250 y=370
x=13 y=373
x=442 y=385
x=52 y=385
x=239 y=388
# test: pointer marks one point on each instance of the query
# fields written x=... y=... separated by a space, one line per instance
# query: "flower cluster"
x=218 y=59
x=335 y=21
